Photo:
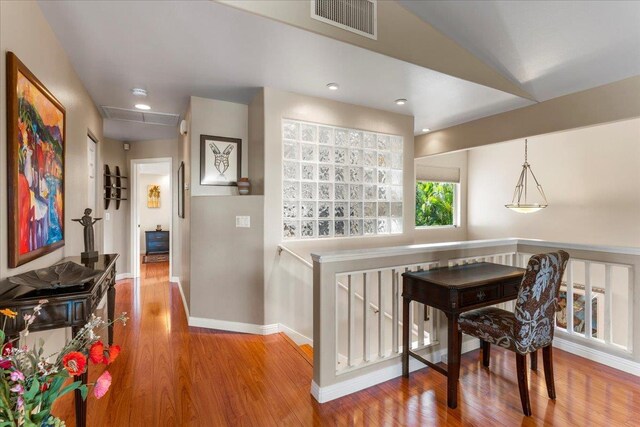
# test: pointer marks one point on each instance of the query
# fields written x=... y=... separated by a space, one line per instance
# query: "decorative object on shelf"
x=158 y=227
x=33 y=382
x=36 y=131
x=113 y=187
x=219 y=160
x=517 y=203
x=63 y=275
x=87 y=222
x=181 y=190
x=153 y=196
x=244 y=186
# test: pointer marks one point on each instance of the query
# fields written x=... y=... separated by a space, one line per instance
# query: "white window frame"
x=456 y=207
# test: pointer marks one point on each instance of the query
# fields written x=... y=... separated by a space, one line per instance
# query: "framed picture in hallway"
x=153 y=196
x=220 y=159
x=181 y=190
x=36 y=149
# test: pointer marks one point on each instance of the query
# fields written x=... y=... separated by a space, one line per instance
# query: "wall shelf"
x=113 y=187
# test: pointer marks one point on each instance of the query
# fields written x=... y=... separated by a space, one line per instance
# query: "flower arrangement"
x=30 y=382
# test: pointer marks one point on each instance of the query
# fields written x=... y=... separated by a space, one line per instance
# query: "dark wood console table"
x=67 y=307
x=454 y=290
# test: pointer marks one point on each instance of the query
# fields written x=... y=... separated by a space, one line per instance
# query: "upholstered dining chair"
x=530 y=327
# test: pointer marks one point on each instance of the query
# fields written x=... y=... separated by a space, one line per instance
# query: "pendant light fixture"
x=519 y=203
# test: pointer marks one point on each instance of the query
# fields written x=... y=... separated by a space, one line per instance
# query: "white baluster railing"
x=600 y=287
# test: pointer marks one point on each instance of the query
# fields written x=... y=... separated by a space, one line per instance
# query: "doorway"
x=151 y=215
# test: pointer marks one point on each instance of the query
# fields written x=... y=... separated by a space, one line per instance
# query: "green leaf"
x=31 y=393
x=84 y=390
x=69 y=388
x=2 y=336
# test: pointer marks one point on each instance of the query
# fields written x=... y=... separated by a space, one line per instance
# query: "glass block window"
x=340 y=182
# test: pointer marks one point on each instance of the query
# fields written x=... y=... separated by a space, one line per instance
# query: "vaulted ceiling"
x=206 y=49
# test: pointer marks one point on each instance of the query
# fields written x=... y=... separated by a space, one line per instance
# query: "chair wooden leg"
x=547 y=360
x=534 y=360
x=521 y=368
x=486 y=352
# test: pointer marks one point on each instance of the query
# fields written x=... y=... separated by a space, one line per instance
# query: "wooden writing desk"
x=454 y=290
x=67 y=307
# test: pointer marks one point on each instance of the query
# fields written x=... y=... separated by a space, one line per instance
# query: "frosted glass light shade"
x=522 y=208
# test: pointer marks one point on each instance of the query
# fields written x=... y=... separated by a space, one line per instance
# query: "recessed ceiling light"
x=401 y=101
x=426 y=130
x=142 y=107
x=333 y=86
x=136 y=91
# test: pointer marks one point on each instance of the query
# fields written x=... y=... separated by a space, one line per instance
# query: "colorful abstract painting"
x=36 y=167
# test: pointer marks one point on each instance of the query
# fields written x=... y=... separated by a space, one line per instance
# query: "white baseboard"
x=184 y=300
x=225 y=325
x=607 y=359
x=123 y=276
x=335 y=391
x=296 y=336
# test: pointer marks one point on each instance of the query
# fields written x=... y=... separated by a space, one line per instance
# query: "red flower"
x=44 y=387
x=6 y=350
x=96 y=352
x=74 y=362
x=114 y=351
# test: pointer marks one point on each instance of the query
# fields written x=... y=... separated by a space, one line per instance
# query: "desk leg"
x=111 y=306
x=80 y=403
x=453 y=360
x=406 y=343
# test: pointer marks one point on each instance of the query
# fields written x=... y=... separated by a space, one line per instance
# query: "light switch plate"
x=243 y=221
x=107 y=216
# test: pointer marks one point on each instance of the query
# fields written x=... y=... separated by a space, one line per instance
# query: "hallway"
x=171 y=375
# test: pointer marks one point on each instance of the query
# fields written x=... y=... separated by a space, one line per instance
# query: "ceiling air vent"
x=164 y=119
x=357 y=16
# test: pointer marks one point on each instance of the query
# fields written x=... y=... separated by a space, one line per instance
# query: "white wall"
x=591 y=177
x=151 y=217
x=216 y=118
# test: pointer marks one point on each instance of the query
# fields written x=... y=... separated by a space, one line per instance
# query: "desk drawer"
x=511 y=289
x=473 y=296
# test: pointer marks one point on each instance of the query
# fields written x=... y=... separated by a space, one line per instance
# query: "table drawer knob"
x=481 y=295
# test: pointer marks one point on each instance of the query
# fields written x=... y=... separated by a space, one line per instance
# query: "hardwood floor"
x=171 y=375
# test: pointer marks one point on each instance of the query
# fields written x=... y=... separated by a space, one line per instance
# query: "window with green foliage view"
x=434 y=203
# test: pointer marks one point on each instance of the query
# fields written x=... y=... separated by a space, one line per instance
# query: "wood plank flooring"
x=171 y=375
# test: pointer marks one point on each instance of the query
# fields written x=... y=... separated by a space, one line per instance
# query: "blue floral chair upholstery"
x=531 y=325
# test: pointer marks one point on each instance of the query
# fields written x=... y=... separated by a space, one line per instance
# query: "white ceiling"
x=552 y=48
x=179 y=49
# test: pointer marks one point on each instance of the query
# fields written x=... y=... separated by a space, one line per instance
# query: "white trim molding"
x=176 y=280
x=226 y=325
x=295 y=336
x=123 y=276
x=598 y=356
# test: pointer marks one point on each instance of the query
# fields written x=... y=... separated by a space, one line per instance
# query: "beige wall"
x=164 y=148
x=590 y=177
x=116 y=228
x=398 y=30
x=151 y=217
x=279 y=105
x=444 y=234
x=603 y=104
x=256 y=142
x=24 y=31
x=216 y=118
x=226 y=262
